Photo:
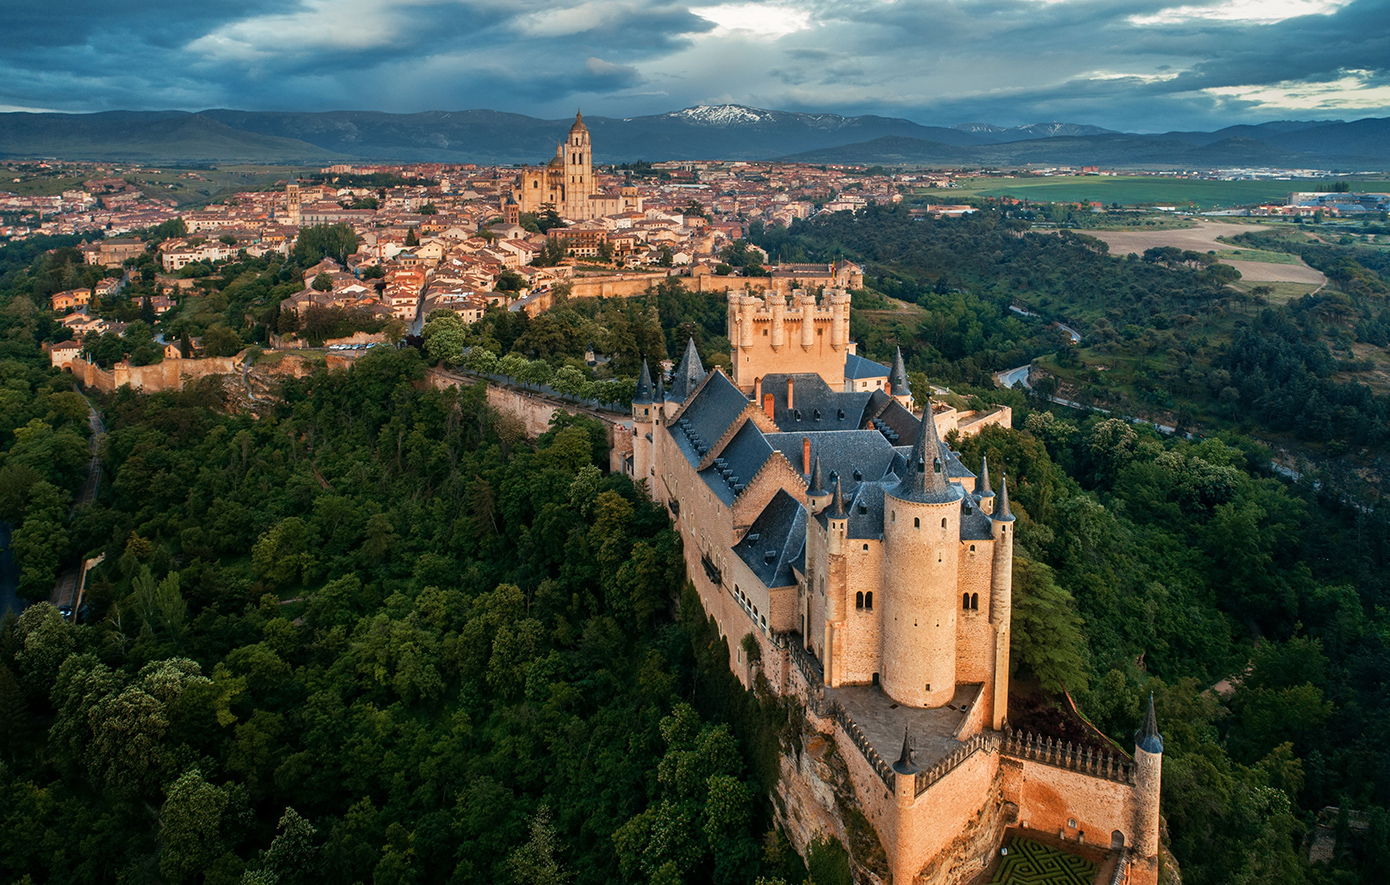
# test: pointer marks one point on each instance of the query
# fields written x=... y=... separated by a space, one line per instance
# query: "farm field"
x=1134 y=190
x=1258 y=267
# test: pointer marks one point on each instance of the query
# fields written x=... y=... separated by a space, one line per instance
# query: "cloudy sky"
x=1138 y=65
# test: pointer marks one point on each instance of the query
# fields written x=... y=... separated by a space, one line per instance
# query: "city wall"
x=628 y=285
x=166 y=375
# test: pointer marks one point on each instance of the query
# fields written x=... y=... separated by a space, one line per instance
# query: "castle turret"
x=778 y=306
x=897 y=382
x=836 y=548
x=688 y=375
x=1001 y=584
x=1148 y=769
x=982 y=488
x=817 y=496
x=921 y=554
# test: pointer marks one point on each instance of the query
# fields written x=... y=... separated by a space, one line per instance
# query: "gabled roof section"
x=857 y=368
x=702 y=421
x=896 y=423
x=842 y=453
x=774 y=542
x=740 y=461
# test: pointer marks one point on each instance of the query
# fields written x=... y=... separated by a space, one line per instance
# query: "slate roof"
x=816 y=406
x=926 y=481
x=705 y=418
x=775 y=542
x=841 y=453
x=857 y=368
x=740 y=461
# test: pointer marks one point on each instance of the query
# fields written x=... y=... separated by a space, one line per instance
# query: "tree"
x=221 y=340
x=411 y=241
x=1046 y=629
x=336 y=241
x=535 y=862
x=189 y=825
x=445 y=333
x=429 y=209
x=323 y=282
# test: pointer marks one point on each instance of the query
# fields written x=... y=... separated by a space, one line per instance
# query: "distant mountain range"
x=721 y=132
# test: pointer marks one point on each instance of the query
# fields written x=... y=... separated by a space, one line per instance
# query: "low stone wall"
x=166 y=375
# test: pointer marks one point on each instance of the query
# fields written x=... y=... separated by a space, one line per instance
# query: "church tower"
x=292 y=204
x=577 y=156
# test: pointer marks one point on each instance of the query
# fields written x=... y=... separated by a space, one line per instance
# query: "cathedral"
x=566 y=184
x=854 y=563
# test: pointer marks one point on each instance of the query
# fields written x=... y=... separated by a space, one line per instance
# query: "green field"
x=1258 y=255
x=1138 y=190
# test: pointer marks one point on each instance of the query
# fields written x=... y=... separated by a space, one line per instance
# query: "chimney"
x=769 y=405
x=806 y=455
x=757 y=390
x=790 y=406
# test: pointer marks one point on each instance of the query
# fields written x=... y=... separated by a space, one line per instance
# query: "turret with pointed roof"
x=688 y=375
x=897 y=379
x=837 y=504
x=1147 y=738
x=925 y=482
x=1001 y=505
x=906 y=765
x=643 y=395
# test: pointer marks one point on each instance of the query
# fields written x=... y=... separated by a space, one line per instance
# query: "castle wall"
x=166 y=375
x=770 y=336
x=967 y=801
x=974 y=633
x=861 y=646
x=1051 y=798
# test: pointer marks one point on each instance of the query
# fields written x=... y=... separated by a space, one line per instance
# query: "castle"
x=566 y=184
x=855 y=564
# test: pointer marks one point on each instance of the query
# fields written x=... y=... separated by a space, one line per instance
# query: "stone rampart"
x=166 y=375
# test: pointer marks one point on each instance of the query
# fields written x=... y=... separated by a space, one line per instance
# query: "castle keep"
x=826 y=522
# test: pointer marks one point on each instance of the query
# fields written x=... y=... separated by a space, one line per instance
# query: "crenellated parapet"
x=771 y=332
x=1036 y=748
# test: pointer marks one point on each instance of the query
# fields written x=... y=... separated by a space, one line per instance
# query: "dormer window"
x=936 y=464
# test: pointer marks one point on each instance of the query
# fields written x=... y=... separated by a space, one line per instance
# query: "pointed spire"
x=1001 y=505
x=837 y=504
x=897 y=379
x=905 y=763
x=660 y=395
x=1147 y=738
x=925 y=482
x=688 y=374
x=643 y=394
x=817 y=481
x=982 y=487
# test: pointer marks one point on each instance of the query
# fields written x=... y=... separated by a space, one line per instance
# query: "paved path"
x=933 y=731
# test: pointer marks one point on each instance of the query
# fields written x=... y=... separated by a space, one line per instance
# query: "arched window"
x=869 y=600
x=965 y=601
x=916 y=522
x=974 y=602
x=943 y=522
x=859 y=600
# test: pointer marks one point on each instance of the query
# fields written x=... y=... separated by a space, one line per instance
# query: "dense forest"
x=374 y=634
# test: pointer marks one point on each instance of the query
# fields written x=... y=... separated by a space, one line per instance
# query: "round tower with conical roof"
x=921 y=556
x=1148 y=770
x=1001 y=582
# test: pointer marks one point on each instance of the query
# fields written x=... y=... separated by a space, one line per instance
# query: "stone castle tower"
x=770 y=336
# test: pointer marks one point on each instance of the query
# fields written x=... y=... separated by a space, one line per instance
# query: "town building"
x=854 y=564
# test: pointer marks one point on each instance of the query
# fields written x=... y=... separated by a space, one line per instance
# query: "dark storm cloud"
x=1150 y=64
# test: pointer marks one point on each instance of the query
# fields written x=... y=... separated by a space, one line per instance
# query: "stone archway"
x=1117 y=840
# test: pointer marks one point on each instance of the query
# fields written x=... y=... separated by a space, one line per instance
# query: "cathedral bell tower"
x=577 y=156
